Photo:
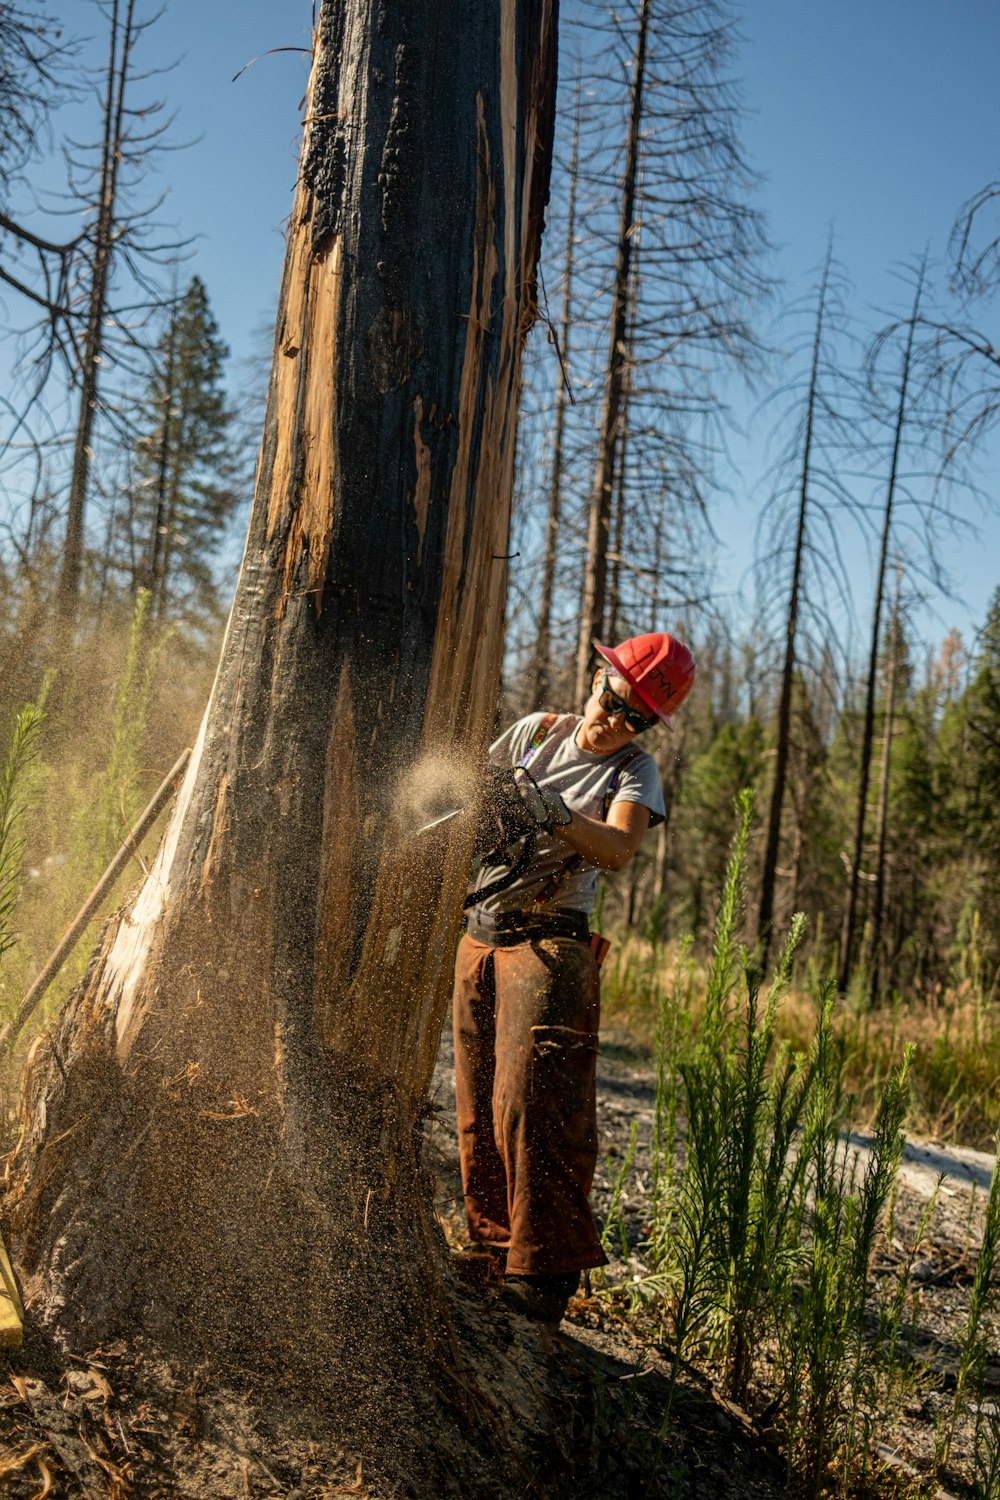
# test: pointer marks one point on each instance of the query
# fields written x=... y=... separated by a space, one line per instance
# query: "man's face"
x=605 y=727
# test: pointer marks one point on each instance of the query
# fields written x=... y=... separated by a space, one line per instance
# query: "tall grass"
x=674 y=1011
x=830 y=1367
x=724 y=1227
x=763 y=1225
x=975 y=1348
x=614 y=1220
x=15 y=775
x=124 y=702
x=120 y=795
x=724 y=966
x=764 y=1097
x=954 y=1077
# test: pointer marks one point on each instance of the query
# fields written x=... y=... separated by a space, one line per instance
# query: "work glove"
x=546 y=807
x=503 y=818
x=512 y=804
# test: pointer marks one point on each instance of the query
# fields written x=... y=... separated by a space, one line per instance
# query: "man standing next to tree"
x=527 y=996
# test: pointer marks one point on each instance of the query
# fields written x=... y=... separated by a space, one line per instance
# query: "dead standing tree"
x=879 y=903
x=122 y=37
x=822 y=434
x=915 y=406
x=98 y=291
x=599 y=517
x=681 y=175
x=848 y=930
x=219 y=1146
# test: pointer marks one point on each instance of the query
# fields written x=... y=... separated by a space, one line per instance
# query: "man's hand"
x=511 y=805
x=546 y=807
x=504 y=817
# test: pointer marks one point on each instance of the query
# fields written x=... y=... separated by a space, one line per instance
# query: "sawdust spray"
x=438 y=783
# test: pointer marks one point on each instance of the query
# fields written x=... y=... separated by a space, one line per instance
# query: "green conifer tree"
x=953 y=873
x=729 y=763
x=983 y=718
x=184 y=495
x=904 y=829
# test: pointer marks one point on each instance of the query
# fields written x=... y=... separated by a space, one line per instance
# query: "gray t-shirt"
x=581 y=778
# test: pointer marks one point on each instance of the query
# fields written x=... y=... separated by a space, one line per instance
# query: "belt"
x=504 y=929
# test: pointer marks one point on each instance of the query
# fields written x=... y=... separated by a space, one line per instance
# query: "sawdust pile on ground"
x=573 y=1415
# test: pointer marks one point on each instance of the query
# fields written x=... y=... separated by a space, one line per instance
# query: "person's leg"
x=544 y=1102
x=484 y=1182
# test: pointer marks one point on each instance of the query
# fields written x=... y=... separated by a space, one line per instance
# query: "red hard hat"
x=657 y=667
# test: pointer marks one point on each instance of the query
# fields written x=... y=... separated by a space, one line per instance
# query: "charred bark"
x=542 y=673
x=618 y=547
x=219 y=1140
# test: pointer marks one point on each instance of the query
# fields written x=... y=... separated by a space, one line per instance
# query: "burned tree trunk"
x=154 y=563
x=849 y=926
x=882 y=814
x=219 y=1146
x=765 y=914
x=592 y=613
x=542 y=669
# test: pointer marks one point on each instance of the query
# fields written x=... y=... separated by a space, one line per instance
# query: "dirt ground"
x=577 y=1413
x=942 y=1263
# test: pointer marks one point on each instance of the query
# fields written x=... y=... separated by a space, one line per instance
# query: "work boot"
x=544 y=1299
x=497 y=1253
x=480 y=1264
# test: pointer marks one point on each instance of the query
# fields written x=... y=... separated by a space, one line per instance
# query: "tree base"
x=558 y=1416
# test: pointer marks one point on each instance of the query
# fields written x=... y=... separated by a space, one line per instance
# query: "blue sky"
x=878 y=119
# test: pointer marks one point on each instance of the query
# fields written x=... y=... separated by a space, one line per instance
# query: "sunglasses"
x=612 y=704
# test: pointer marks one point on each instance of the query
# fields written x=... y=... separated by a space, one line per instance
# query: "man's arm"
x=608 y=845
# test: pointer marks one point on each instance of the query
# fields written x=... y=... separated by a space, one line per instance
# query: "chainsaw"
x=512 y=809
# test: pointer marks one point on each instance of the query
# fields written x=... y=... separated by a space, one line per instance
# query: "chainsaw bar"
x=444 y=818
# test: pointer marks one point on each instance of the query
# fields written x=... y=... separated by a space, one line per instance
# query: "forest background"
x=810 y=201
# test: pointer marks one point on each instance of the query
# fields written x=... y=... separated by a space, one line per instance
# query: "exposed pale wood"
x=11 y=1307
x=312 y=528
x=132 y=938
x=289 y=342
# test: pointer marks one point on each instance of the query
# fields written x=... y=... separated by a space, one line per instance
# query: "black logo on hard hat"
x=665 y=684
